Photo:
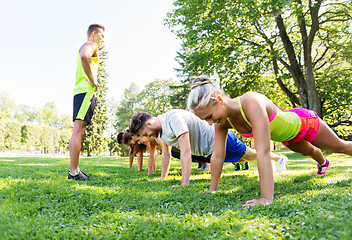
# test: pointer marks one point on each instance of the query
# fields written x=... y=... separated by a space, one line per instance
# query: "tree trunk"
x=293 y=98
x=314 y=102
x=295 y=67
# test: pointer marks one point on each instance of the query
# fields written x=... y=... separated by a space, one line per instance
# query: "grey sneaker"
x=280 y=165
x=80 y=176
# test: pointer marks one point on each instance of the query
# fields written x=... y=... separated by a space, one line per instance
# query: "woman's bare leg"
x=326 y=139
x=307 y=149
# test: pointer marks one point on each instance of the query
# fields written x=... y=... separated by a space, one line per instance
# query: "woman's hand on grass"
x=210 y=191
x=254 y=202
x=178 y=185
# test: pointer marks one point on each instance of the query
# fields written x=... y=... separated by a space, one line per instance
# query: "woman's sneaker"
x=322 y=168
x=203 y=166
x=280 y=165
x=80 y=176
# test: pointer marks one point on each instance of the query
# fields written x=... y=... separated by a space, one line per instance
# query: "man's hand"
x=94 y=84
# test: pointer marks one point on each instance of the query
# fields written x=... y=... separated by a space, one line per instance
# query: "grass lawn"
x=37 y=201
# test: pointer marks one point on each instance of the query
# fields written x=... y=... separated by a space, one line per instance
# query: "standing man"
x=84 y=95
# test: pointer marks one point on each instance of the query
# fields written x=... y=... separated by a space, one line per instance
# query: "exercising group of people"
x=202 y=133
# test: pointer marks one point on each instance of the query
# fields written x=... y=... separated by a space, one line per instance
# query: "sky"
x=40 y=41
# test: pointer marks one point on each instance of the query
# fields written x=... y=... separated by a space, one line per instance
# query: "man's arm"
x=185 y=157
x=88 y=50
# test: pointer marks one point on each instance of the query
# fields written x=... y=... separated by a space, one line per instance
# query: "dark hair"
x=94 y=27
x=138 y=121
x=141 y=147
x=124 y=137
x=119 y=137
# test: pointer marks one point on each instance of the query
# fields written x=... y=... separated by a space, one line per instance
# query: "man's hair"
x=94 y=27
x=138 y=121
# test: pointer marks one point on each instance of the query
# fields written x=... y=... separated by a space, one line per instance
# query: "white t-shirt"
x=176 y=122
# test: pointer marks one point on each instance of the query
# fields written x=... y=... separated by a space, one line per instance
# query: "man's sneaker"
x=245 y=166
x=237 y=166
x=280 y=165
x=322 y=168
x=80 y=176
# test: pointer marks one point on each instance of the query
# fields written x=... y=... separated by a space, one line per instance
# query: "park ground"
x=37 y=201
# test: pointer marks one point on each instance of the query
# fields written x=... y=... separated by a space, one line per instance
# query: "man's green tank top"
x=82 y=85
x=284 y=126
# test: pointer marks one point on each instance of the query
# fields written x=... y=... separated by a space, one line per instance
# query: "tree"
x=48 y=115
x=7 y=106
x=128 y=106
x=12 y=134
x=155 y=97
x=112 y=141
x=298 y=43
x=94 y=140
x=26 y=114
x=179 y=97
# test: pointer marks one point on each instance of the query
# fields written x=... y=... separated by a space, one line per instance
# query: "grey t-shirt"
x=176 y=122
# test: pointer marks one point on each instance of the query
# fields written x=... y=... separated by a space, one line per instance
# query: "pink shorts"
x=309 y=125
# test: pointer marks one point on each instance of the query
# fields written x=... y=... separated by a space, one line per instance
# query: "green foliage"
x=304 y=47
x=38 y=202
x=155 y=97
x=112 y=119
x=47 y=115
x=94 y=140
x=27 y=114
x=7 y=106
x=12 y=135
x=24 y=128
x=129 y=105
x=179 y=97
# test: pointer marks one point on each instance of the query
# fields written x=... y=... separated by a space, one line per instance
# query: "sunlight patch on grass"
x=8 y=182
x=233 y=190
x=33 y=164
x=303 y=172
x=200 y=177
x=102 y=174
x=107 y=165
x=97 y=190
